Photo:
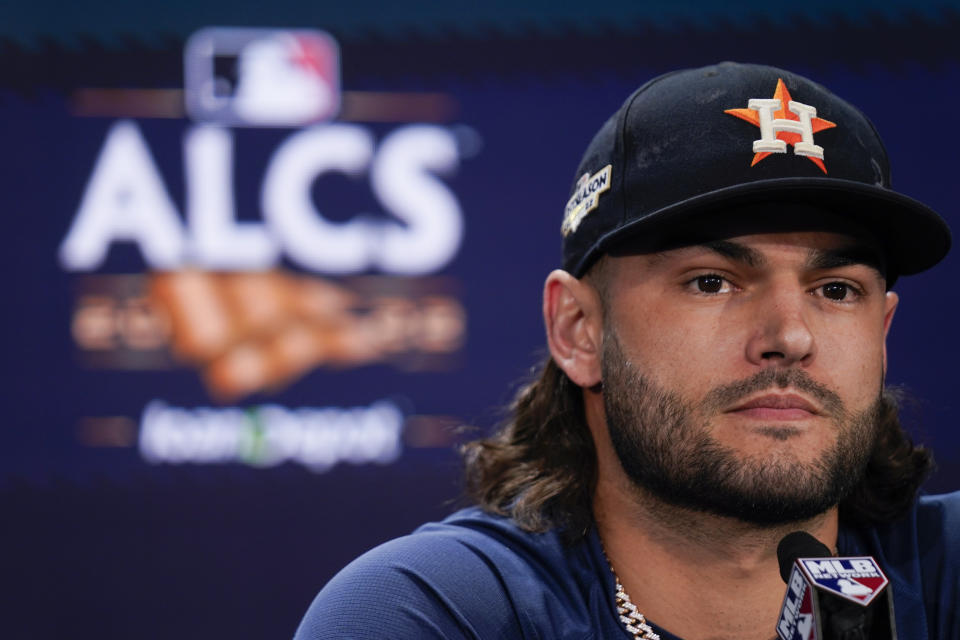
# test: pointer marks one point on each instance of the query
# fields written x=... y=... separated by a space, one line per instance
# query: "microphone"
x=832 y=598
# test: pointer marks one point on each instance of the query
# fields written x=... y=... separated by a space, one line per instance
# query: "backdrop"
x=266 y=261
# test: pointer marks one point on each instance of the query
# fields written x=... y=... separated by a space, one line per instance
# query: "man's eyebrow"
x=846 y=256
x=726 y=248
x=736 y=252
x=843 y=256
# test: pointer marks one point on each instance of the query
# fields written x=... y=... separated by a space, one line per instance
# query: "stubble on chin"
x=665 y=447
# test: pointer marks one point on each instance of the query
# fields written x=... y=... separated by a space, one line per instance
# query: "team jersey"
x=477 y=575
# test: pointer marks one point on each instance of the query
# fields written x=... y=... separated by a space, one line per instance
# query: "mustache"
x=725 y=395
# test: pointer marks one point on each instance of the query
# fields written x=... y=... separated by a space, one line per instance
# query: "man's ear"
x=573 y=317
x=890 y=306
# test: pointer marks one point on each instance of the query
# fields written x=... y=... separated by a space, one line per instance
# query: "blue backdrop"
x=223 y=511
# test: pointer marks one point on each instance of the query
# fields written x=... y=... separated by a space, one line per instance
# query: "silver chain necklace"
x=632 y=620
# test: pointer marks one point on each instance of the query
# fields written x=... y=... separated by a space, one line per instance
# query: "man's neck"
x=697 y=575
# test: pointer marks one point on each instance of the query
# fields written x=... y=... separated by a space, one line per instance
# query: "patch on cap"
x=782 y=122
x=585 y=198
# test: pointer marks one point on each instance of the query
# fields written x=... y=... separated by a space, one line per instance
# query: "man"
x=715 y=381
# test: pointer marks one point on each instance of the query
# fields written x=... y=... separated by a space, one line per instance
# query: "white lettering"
x=310 y=239
x=820 y=567
x=806 y=113
x=218 y=241
x=769 y=126
x=787 y=620
x=863 y=566
x=270 y=435
x=768 y=141
x=403 y=183
x=125 y=199
x=796 y=582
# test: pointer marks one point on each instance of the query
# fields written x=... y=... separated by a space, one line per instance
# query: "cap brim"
x=914 y=237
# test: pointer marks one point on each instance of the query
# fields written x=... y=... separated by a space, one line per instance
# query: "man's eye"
x=838 y=291
x=711 y=284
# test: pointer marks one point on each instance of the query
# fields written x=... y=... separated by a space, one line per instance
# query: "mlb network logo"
x=261 y=77
x=858 y=579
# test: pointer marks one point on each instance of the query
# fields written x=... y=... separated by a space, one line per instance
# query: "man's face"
x=742 y=377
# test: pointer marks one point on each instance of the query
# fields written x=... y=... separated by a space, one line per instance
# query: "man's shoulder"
x=938 y=533
x=924 y=532
x=920 y=553
x=470 y=537
x=472 y=575
x=929 y=527
x=941 y=509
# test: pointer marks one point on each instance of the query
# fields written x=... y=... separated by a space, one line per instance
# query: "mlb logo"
x=797 y=614
x=857 y=579
x=261 y=77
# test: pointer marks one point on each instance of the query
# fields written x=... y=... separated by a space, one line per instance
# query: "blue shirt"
x=477 y=575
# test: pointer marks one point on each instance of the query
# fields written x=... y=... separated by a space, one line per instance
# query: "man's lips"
x=775 y=406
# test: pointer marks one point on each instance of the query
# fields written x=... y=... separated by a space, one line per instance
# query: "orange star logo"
x=790 y=137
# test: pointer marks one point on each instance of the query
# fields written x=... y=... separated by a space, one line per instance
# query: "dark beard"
x=665 y=450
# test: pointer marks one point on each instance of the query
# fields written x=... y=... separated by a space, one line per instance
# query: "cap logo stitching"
x=784 y=121
x=585 y=198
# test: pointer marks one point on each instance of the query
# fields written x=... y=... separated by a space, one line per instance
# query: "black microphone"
x=832 y=598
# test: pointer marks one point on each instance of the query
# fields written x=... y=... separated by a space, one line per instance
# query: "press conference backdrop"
x=267 y=264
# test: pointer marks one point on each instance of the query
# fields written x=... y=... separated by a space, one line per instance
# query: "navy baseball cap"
x=699 y=143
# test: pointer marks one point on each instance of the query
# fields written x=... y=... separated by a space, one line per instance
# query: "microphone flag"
x=813 y=590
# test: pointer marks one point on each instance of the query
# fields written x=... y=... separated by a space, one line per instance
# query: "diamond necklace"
x=632 y=620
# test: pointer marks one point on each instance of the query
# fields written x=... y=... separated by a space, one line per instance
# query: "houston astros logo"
x=783 y=122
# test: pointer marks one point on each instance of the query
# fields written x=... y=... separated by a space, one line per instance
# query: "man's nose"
x=781 y=333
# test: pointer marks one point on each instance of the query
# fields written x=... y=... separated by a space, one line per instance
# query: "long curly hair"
x=540 y=467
